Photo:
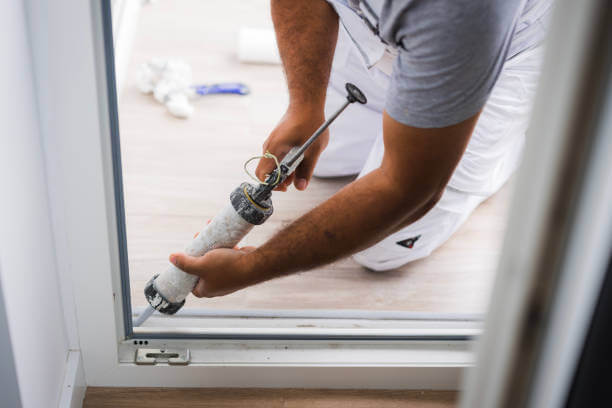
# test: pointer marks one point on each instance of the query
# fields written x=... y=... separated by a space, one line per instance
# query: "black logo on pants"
x=408 y=243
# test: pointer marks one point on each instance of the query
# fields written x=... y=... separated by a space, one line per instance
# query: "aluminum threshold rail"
x=318 y=314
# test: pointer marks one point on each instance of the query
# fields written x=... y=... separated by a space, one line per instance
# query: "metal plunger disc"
x=355 y=94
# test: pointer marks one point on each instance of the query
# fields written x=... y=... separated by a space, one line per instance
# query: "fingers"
x=199 y=289
x=186 y=263
x=303 y=173
x=289 y=133
x=265 y=167
x=285 y=184
x=279 y=148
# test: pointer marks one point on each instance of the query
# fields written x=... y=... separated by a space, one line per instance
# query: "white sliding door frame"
x=417 y=354
x=87 y=191
x=557 y=252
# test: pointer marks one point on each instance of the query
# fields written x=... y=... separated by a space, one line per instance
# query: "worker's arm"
x=416 y=167
x=306 y=34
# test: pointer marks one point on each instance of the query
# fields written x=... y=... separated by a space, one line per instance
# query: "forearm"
x=356 y=217
x=415 y=169
x=416 y=166
x=306 y=33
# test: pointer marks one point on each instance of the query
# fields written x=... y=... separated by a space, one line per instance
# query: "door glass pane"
x=178 y=172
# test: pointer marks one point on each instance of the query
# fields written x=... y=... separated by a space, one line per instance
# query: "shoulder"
x=414 y=22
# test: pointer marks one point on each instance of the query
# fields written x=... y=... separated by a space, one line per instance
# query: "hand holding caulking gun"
x=249 y=205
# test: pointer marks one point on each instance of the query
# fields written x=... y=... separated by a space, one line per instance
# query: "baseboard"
x=73 y=389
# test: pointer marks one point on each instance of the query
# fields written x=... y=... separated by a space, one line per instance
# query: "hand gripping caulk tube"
x=167 y=291
x=249 y=205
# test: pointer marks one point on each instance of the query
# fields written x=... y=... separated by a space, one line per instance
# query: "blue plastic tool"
x=224 y=88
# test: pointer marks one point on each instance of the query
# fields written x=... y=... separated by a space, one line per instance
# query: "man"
x=449 y=86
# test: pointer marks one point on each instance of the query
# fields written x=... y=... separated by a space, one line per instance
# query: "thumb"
x=185 y=263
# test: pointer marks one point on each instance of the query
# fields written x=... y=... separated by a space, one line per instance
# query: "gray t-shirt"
x=451 y=52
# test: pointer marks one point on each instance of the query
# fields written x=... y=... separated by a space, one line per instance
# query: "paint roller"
x=249 y=205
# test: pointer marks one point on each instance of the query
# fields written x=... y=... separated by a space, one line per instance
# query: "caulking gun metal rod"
x=354 y=95
x=316 y=134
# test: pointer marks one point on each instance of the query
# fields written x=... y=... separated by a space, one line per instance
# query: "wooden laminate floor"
x=179 y=173
x=100 y=397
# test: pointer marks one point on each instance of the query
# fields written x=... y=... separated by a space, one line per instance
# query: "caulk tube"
x=167 y=291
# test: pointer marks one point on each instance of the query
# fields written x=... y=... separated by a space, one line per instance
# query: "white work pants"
x=493 y=153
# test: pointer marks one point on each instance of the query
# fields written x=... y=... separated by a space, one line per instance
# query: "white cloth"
x=493 y=153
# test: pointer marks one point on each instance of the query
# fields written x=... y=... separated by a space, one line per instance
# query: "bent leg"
x=490 y=159
x=422 y=237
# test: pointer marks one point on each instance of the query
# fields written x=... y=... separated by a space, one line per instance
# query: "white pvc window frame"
x=78 y=123
x=417 y=353
x=75 y=112
x=420 y=354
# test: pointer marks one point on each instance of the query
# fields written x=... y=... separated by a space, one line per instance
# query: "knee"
x=324 y=168
x=379 y=261
x=330 y=165
x=370 y=263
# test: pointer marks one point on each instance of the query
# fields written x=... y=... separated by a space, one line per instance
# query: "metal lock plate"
x=148 y=356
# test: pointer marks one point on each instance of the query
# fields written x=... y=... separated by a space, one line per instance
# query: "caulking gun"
x=249 y=205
